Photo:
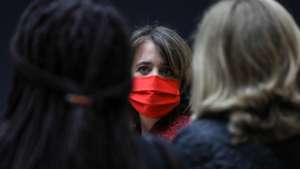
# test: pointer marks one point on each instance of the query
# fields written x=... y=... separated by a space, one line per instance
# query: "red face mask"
x=154 y=96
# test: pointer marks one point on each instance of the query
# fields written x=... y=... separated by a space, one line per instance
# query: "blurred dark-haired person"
x=68 y=104
x=161 y=79
x=245 y=89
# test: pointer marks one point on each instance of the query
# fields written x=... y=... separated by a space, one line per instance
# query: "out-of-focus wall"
x=181 y=15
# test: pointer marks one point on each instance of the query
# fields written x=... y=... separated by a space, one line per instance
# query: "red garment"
x=170 y=131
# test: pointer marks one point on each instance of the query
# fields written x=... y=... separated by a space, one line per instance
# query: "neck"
x=147 y=123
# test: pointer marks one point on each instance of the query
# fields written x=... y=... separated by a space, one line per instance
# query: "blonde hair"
x=246 y=67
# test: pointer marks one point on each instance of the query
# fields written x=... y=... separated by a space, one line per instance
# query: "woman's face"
x=148 y=62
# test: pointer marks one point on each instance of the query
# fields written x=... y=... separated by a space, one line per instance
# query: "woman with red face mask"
x=161 y=78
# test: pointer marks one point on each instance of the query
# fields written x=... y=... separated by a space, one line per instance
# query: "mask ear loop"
x=187 y=108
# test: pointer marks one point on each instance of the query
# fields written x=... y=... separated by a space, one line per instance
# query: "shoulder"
x=200 y=141
x=205 y=130
x=206 y=144
x=158 y=153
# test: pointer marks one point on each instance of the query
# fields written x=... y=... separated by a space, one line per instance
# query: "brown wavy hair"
x=172 y=48
x=178 y=55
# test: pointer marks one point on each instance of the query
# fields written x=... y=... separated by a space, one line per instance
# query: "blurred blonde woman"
x=245 y=89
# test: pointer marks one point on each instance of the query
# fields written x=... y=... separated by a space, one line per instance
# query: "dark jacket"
x=156 y=153
x=205 y=144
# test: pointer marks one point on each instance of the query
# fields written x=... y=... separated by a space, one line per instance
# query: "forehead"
x=148 y=52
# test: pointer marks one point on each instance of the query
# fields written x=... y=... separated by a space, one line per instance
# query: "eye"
x=144 y=70
x=167 y=72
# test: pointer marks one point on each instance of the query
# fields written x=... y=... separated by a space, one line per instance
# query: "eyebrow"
x=144 y=63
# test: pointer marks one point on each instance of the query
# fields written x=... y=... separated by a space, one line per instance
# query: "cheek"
x=134 y=74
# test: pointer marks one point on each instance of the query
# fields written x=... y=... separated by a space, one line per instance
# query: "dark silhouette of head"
x=67 y=107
